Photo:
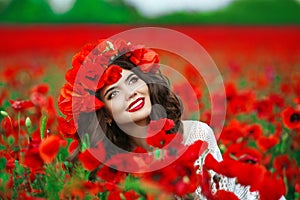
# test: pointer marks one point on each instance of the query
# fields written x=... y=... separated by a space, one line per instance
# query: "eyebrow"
x=129 y=76
x=112 y=88
x=107 y=91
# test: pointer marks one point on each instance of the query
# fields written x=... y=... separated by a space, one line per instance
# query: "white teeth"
x=136 y=104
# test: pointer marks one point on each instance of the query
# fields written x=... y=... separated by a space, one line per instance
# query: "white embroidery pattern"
x=201 y=131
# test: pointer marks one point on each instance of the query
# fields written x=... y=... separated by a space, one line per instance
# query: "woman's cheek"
x=117 y=104
x=144 y=89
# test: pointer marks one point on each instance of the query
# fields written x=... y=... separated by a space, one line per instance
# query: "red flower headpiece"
x=92 y=70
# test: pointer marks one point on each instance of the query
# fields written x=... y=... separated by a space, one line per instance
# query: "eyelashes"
x=130 y=82
x=133 y=80
x=112 y=94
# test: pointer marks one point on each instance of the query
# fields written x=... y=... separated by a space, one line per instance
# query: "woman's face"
x=128 y=99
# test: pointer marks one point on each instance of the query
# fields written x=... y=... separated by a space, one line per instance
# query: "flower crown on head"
x=92 y=69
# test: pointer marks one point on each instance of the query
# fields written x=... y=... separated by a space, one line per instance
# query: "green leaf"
x=86 y=142
x=18 y=168
x=132 y=183
x=54 y=181
x=2 y=147
x=10 y=140
x=43 y=126
x=2 y=163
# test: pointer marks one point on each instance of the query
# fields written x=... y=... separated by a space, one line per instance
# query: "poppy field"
x=260 y=139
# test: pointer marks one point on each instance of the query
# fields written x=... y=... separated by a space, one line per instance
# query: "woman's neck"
x=137 y=133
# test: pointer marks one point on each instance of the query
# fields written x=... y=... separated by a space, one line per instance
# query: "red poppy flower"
x=49 y=147
x=278 y=129
x=39 y=99
x=32 y=158
x=66 y=127
x=271 y=183
x=205 y=178
x=297 y=188
x=79 y=189
x=111 y=75
x=285 y=166
x=71 y=75
x=93 y=157
x=110 y=186
x=297 y=100
x=125 y=162
x=92 y=188
x=139 y=149
x=159 y=125
x=188 y=96
x=241 y=102
x=253 y=131
x=114 y=195
x=73 y=146
x=41 y=88
x=286 y=88
x=21 y=105
x=107 y=49
x=193 y=151
x=179 y=176
x=222 y=194
x=79 y=57
x=122 y=46
x=192 y=74
x=246 y=174
x=187 y=180
x=232 y=132
x=291 y=118
x=281 y=163
x=74 y=100
x=131 y=194
x=110 y=174
x=296 y=142
x=90 y=73
x=231 y=90
x=145 y=59
x=277 y=99
x=267 y=142
x=243 y=153
x=264 y=108
x=157 y=135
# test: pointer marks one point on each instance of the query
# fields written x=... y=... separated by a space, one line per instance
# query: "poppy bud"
x=28 y=124
x=4 y=113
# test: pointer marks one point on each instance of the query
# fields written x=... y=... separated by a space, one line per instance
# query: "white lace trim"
x=201 y=131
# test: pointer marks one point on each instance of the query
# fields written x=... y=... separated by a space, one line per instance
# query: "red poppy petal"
x=49 y=148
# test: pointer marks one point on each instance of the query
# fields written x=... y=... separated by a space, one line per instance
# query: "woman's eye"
x=113 y=94
x=133 y=80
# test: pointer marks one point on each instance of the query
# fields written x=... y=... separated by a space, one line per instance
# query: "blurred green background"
x=276 y=12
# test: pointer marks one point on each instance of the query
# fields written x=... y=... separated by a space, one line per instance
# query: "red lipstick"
x=136 y=105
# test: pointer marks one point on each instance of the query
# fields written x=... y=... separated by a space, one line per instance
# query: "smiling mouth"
x=136 y=105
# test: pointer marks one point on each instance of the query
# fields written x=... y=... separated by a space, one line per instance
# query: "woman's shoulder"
x=193 y=128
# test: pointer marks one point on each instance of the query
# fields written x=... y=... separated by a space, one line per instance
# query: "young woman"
x=115 y=89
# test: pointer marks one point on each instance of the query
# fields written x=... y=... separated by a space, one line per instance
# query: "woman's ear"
x=108 y=120
x=107 y=117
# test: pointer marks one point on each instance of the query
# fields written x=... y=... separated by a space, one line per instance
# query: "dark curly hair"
x=95 y=125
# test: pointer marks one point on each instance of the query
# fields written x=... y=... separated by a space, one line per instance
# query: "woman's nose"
x=130 y=92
